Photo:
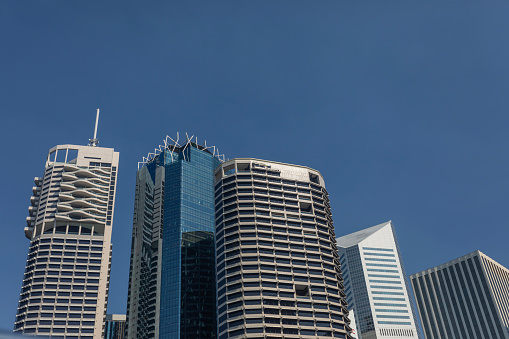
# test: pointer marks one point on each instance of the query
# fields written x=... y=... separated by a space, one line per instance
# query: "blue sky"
x=401 y=105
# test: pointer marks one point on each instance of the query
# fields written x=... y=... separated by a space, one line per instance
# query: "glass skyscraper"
x=66 y=280
x=376 y=283
x=114 y=326
x=172 y=272
x=278 y=273
x=465 y=298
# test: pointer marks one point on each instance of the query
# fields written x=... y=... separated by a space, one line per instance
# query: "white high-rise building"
x=376 y=285
x=466 y=298
x=65 y=285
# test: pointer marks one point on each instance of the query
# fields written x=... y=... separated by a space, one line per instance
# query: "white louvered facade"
x=65 y=285
x=376 y=284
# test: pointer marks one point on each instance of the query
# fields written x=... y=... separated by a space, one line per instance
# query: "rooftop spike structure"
x=94 y=142
x=173 y=145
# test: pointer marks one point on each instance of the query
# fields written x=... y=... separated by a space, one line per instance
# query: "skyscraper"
x=115 y=326
x=465 y=298
x=376 y=283
x=278 y=273
x=172 y=273
x=65 y=284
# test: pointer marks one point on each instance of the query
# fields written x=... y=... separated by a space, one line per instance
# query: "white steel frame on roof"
x=170 y=144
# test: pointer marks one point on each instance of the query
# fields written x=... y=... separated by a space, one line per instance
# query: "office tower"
x=465 y=298
x=65 y=285
x=115 y=326
x=376 y=284
x=278 y=273
x=172 y=274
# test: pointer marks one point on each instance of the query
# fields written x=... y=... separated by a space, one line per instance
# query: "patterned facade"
x=376 y=284
x=65 y=284
x=278 y=272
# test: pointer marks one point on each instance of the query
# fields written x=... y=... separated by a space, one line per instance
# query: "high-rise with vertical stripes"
x=376 y=285
x=65 y=285
x=466 y=298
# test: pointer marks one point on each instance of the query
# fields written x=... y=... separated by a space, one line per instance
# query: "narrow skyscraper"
x=115 y=326
x=465 y=298
x=172 y=272
x=376 y=284
x=278 y=273
x=65 y=285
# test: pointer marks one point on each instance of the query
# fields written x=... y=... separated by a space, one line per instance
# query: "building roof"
x=355 y=238
x=116 y=317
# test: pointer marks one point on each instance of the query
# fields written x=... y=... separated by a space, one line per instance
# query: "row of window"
x=306 y=224
x=293 y=261
x=275 y=186
x=283 y=294
x=270 y=179
x=285 y=321
x=268 y=310
x=278 y=330
x=60 y=323
x=45 y=314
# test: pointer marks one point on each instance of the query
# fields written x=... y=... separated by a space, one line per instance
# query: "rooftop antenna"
x=93 y=142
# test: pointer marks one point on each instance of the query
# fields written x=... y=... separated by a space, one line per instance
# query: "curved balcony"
x=85 y=214
x=34 y=200
x=64 y=217
x=88 y=203
x=82 y=183
x=83 y=192
x=100 y=170
x=85 y=207
x=64 y=208
x=30 y=221
x=70 y=168
x=29 y=230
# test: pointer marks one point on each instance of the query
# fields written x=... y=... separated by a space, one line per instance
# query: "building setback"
x=172 y=274
x=376 y=283
x=466 y=298
x=278 y=274
x=65 y=284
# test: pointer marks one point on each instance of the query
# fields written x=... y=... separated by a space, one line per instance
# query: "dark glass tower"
x=172 y=273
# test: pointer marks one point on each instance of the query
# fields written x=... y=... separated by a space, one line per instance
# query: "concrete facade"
x=278 y=273
x=65 y=285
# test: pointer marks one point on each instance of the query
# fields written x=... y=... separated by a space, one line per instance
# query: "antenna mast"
x=93 y=142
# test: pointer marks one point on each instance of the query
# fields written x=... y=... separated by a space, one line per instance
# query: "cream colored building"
x=64 y=292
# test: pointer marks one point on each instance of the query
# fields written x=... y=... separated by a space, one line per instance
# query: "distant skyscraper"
x=376 y=284
x=115 y=326
x=172 y=274
x=65 y=285
x=464 y=298
x=278 y=273
x=351 y=315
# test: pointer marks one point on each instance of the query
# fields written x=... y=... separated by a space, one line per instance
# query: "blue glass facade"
x=113 y=328
x=181 y=242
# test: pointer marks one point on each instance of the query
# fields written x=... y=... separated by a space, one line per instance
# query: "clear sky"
x=401 y=105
